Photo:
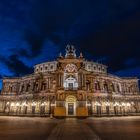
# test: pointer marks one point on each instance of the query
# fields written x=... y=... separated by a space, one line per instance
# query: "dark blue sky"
x=34 y=31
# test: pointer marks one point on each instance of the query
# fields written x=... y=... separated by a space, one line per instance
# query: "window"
x=70 y=85
x=51 y=67
x=89 y=67
x=94 y=67
x=46 y=67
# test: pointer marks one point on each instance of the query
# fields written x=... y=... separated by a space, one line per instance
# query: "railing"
x=68 y=88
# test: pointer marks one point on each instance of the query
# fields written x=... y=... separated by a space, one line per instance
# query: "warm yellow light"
x=12 y=104
x=25 y=104
x=107 y=104
x=42 y=104
x=123 y=104
x=17 y=104
x=7 y=103
x=128 y=104
x=116 y=104
x=97 y=104
x=132 y=103
x=33 y=104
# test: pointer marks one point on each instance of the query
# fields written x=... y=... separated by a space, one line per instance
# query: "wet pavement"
x=118 y=128
x=115 y=128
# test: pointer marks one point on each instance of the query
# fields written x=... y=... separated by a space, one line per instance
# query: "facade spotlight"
x=17 y=104
x=25 y=104
x=132 y=103
x=88 y=104
x=128 y=104
x=12 y=104
x=33 y=104
x=123 y=104
x=116 y=104
x=107 y=104
x=97 y=104
x=42 y=104
x=7 y=103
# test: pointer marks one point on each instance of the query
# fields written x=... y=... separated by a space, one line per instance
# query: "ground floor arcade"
x=70 y=107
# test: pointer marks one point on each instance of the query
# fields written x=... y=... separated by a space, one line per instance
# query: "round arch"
x=71 y=105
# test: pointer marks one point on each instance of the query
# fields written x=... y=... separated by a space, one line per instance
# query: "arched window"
x=105 y=87
x=112 y=87
x=97 y=86
x=28 y=87
x=22 y=88
x=70 y=77
x=118 y=88
x=36 y=86
x=87 y=84
x=43 y=86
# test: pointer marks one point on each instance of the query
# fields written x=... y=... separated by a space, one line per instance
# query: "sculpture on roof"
x=70 y=51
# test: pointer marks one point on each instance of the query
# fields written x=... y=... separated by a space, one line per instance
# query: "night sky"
x=34 y=31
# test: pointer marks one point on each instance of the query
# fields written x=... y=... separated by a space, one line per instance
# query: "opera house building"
x=70 y=86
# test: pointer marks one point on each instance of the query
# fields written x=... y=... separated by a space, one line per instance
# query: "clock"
x=71 y=68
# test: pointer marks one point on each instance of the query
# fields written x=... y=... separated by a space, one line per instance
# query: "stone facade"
x=70 y=86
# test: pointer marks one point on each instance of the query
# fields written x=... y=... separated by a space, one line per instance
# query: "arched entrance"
x=70 y=105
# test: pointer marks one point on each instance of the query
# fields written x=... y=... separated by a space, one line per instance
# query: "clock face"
x=71 y=68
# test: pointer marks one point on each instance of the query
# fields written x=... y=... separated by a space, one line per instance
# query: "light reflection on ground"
x=115 y=128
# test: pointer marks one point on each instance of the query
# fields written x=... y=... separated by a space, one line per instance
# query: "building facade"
x=70 y=86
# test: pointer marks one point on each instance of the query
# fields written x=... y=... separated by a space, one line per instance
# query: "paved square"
x=24 y=128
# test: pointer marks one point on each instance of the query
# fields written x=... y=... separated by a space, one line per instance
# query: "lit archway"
x=71 y=105
x=70 y=77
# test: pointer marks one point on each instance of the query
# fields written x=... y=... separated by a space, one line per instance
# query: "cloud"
x=16 y=66
x=102 y=30
x=117 y=42
x=35 y=44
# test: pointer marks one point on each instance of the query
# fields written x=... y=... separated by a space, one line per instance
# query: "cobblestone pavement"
x=116 y=128
x=73 y=129
x=26 y=128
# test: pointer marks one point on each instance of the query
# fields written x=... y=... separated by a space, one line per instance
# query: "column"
x=61 y=80
x=79 y=81
x=48 y=82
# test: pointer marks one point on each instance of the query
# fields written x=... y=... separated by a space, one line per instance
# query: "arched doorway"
x=71 y=83
x=70 y=105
